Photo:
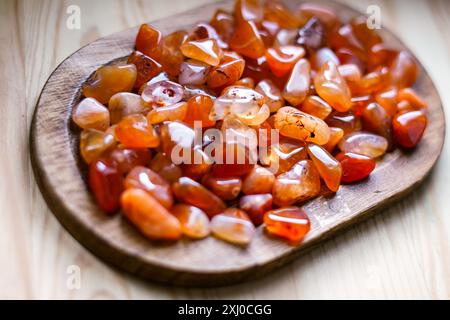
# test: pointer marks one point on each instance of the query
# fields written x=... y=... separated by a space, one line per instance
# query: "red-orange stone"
x=225 y=188
x=247 y=41
x=355 y=167
x=238 y=162
x=282 y=59
x=148 y=41
x=128 y=158
x=146 y=67
x=191 y=192
x=198 y=109
x=106 y=183
x=291 y=223
x=409 y=127
x=256 y=205
x=135 y=132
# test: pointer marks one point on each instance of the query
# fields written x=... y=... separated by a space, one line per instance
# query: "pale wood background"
x=403 y=252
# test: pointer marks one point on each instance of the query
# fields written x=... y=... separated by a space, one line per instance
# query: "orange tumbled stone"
x=223 y=22
x=291 y=223
x=282 y=156
x=388 y=100
x=248 y=10
x=355 y=167
x=296 y=124
x=300 y=183
x=298 y=84
x=409 y=127
x=146 y=67
x=91 y=114
x=234 y=226
x=172 y=57
x=149 y=216
x=404 y=70
x=255 y=205
x=193 y=72
x=281 y=60
x=198 y=109
x=191 y=192
x=336 y=134
x=227 y=188
x=331 y=87
x=272 y=93
x=206 y=50
x=247 y=41
x=93 y=143
x=227 y=72
x=162 y=93
x=134 y=131
x=123 y=104
x=128 y=158
x=375 y=119
x=347 y=121
x=259 y=180
x=410 y=95
x=329 y=168
x=165 y=168
x=316 y=106
x=149 y=41
x=172 y=112
x=364 y=143
x=194 y=221
x=152 y=183
x=322 y=56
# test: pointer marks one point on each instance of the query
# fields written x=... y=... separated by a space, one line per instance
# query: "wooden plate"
x=209 y=262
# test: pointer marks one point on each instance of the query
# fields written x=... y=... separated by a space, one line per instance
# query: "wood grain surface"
x=402 y=253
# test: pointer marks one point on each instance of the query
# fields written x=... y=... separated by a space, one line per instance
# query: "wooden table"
x=403 y=252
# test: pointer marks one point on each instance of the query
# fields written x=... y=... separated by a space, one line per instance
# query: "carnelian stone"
x=194 y=221
x=359 y=103
x=336 y=134
x=300 y=183
x=109 y=80
x=347 y=121
x=388 y=100
x=203 y=31
x=291 y=223
x=281 y=60
x=283 y=156
x=325 y=14
x=367 y=37
x=350 y=72
x=199 y=165
x=106 y=183
x=245 y=82
x=409 y=127
x=134 y=131
x=404 y=70
x=152 y=183
x=257 y=69
x=311 y=35
x=375 y=119
x=412 y=97
x=298 y=84
x=198 y=109
x=380 y=55
x=172 y=112
x=296 y=124
x=316 y=106
x=123 y=104
x=93 y=143
x=146 y=67
x=172 y=57
x=191 y=91
x=344 y=37
x=347 y=56
x=329 y=168
x=227 y=72
x=234 y=226
x=332 y=87
x=162 y=93
x=91 y=114
x=236 y=160
x=206 y=50
x=373 y=82
x=322 y=56
x=227 y=188
x=165 y=168
x=128 y=158
x=259 y=180
x=277 y=12
x=355 y=167
x=193 y=72
x=191 y=192
x=248 y=10
x=364 y=143
x=149 y=216
x=255 y=205
x=223 y=22
x=179 y=135
x=246 y=40
x=149 y=41
x=272 y=93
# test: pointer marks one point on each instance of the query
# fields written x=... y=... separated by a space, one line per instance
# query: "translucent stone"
x=347 y=121
x=191 y=192
x=152 y=183
x=311 y=35
x=128 y=158
x=227 y=72
x=388 y=100
x=206 y=50
x=364 y=143
x=291 y=223
x=149 y=216
x=91 y=114
x=259 y=180
x=146 y=68
x=162 y=93
x=149 y=41
x=223 y=22
x=300 y=183
x=355 y=167
x=172 y=57
x=331 y=87
x=178 y=134
x=199 y=165
x=93 y=143
x=284 y=155
x=134 y=131
x=193 y=72
x=173 y=112
x=296 y=124
x=123 y=104
x=404 y=70
x=245 y=82
x=350 y=72
x=256 y=205
x=165 y=168
x=109 y=80
x=376 y=120
x=234 y=226
x=280 y=14
x=246 y=40
x=316 y=106
x=194 y=221
x=336 y=135
x=325 y=14
x=329 y=168
x=322 y=56
x=198 y=109
x=246 y=10
x=298 y=84
x=412 y=97
x=281 y=60
x=272 y=94
x=227 y=188
x=409 y=127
